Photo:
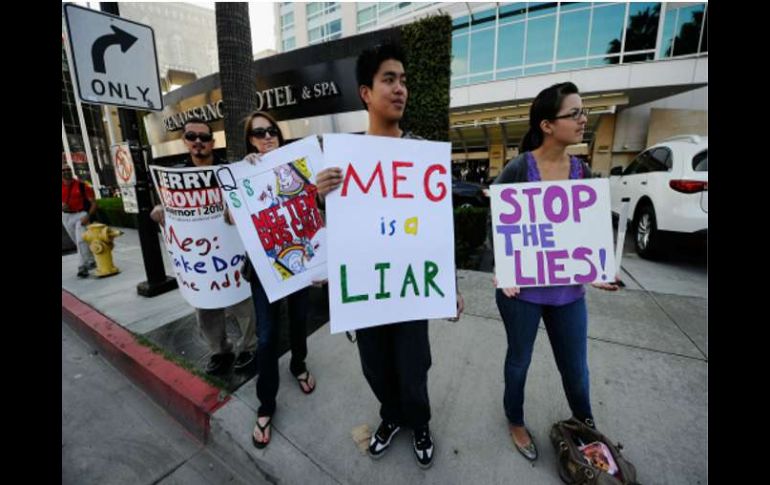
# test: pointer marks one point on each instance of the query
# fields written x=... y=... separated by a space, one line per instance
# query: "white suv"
x=667 y=190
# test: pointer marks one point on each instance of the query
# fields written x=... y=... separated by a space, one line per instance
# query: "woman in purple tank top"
x=557 y=119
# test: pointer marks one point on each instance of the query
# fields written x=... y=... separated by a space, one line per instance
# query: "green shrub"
x=471 y=225
x=110 y=211
x=428 y=47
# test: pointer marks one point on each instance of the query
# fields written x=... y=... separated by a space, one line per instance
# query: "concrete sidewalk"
x=649 y=367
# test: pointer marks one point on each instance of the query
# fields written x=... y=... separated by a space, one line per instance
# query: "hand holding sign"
x=329 y=179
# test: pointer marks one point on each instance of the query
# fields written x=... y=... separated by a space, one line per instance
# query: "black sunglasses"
x=192 y=136
x=261 y=132
x=574 y=114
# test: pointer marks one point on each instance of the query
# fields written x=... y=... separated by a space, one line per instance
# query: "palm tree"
x=236 y=71
x=689 y=35
x=641 y=33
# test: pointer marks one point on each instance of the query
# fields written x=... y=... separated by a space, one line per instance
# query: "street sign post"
x=114 y=59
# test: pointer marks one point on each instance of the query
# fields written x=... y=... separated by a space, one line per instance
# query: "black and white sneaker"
x=423 y=447
x=381 y=439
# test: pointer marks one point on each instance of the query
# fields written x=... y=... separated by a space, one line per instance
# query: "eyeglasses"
x=574 y=114
x=192 y=136
x=260 y=133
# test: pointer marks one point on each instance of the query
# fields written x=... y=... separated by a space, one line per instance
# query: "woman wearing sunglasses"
x=557 y=119
x=262 y=135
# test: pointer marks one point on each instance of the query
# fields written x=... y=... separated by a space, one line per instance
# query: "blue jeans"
x=268 y=321
x=567 y=327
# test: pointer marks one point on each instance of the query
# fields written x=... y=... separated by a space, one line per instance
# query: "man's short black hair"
x=369 y=62
x=197 y=120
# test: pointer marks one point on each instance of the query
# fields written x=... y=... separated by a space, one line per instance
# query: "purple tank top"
x=552 y=295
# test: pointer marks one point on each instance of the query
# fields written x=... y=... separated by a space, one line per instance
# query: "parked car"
x=667 y=190
x=469 y=194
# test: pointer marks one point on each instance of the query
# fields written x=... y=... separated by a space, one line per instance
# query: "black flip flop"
x=305 y=379
x=258 y=444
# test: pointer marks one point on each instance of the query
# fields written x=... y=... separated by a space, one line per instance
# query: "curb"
x=185 y=396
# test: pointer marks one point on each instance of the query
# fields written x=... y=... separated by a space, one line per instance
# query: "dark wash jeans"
x=268 y=327
x=567 y=327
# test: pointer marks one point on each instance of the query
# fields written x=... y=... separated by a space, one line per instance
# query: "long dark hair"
x=545 y=107
x=247 y=129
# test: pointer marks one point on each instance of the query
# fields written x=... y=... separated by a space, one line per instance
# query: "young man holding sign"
x=395 y=357
x=528 y=218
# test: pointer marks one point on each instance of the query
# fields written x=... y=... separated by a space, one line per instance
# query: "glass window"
x=537 y=69
x=288 y=44
x=566 y=66
x=646 y=163
x=638 y=57
x=688 y=30
x=313 y=8
x=540 y=40
x=538 y=9
x=603 y=61
x=512 y=12
x=460 y=25
x=510 y=45
x=318 y=8
x=479 y=78
x=700 y=162
x=368 y=25
x=659 y=160
x=573 y=34
x=631 y=169
x=367 y=15
x=607 y=30
x=315 y=35
x=509 y=74
x=642 y=26
x=329 y=31
x=483 y=19
x=457 y=82
x=568 y=6
x=482 y=51
x=459 y=55
x=287 y=20
x=666 y=48
x=334 y=27
x=387 y=8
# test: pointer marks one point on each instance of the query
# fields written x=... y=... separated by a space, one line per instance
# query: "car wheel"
x=646 y=237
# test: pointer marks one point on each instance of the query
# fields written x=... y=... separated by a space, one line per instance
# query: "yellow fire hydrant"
x=99 y=238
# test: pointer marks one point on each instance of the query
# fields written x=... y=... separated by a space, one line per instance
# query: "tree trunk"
x=236 y=72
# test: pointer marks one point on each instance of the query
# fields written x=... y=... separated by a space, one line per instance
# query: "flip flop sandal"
x=301 y=380
x=262 y=429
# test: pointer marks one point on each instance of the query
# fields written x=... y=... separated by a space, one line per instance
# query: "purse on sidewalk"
x=587 y=457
